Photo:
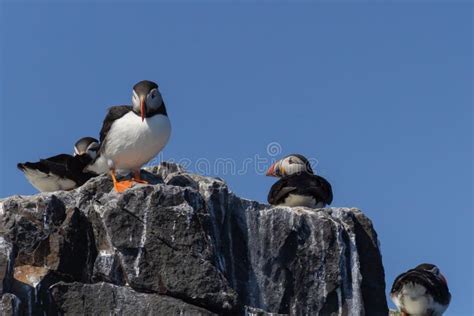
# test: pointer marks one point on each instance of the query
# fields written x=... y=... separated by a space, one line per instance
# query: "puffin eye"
x=153 y=93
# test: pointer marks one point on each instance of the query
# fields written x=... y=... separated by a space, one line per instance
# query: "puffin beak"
x=142 y=108
x=271 y=171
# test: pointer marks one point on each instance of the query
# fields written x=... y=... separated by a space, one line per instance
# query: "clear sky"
x=380 y=94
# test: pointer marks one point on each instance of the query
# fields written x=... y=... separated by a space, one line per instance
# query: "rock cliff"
x=183 y=246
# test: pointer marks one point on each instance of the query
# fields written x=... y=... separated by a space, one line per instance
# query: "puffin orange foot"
x=121 y=186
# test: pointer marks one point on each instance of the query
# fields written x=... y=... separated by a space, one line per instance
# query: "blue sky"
x=380 y=94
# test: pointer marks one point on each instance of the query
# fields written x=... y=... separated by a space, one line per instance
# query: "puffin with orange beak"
x=132 y=135
x=422 y=291
x=298 y=185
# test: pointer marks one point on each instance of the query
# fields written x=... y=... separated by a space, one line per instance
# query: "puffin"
x=298 y=185
x=63 y=171
x=422 y=291
x=132 y=135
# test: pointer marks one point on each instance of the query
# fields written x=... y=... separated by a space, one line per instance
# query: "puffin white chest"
x=48 y=182
x=131 y=143
x=299 y=200
x=414 y=299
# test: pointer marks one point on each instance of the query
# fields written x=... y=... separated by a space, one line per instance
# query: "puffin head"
x=86 y=146
x=289 y=165
x=146 y=98
x=432 y=269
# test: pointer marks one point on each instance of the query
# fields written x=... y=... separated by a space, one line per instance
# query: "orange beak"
x=142 y=108
x=271 y=171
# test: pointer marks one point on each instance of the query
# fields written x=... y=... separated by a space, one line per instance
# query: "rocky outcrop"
x=185 y=245
x=105 y=298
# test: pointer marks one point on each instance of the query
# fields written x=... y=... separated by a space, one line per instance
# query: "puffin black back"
x=63 y=171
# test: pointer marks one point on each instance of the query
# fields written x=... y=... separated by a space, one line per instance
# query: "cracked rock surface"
x=183 y=246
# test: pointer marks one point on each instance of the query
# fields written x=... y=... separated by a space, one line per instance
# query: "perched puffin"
x=298 y=185
x=422 y=291
x=62 y=172
x=132 y=135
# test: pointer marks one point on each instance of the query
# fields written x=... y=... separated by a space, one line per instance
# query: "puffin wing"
x=76 y=167
x=313 y=185
x=321 y=188
x=58 y=165
x=44 y=165
x=279 y=191
x=49 y=174
x=97 y=165
x=58 y=159
x=68 y=166
x=399 y=281
x=113 y=114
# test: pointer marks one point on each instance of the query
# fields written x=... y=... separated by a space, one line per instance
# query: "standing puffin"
x=62 y=172
x=422 y=291
x=132 y=135
x=298 y=185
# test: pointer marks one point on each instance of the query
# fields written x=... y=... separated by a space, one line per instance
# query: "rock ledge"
x=184 y=246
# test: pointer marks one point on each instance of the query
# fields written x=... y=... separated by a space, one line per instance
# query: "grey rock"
x=108 y=268
x=253 y=311
x=165 y=169
x=188 y=240
x=32 y=290
x=7 y=256
x=9 y=305
x=108 y=299
x=172 y=235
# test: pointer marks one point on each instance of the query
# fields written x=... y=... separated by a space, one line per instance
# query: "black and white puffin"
x=132 y=135
x=422 y=291
x=298 y=185
x=62 y=172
